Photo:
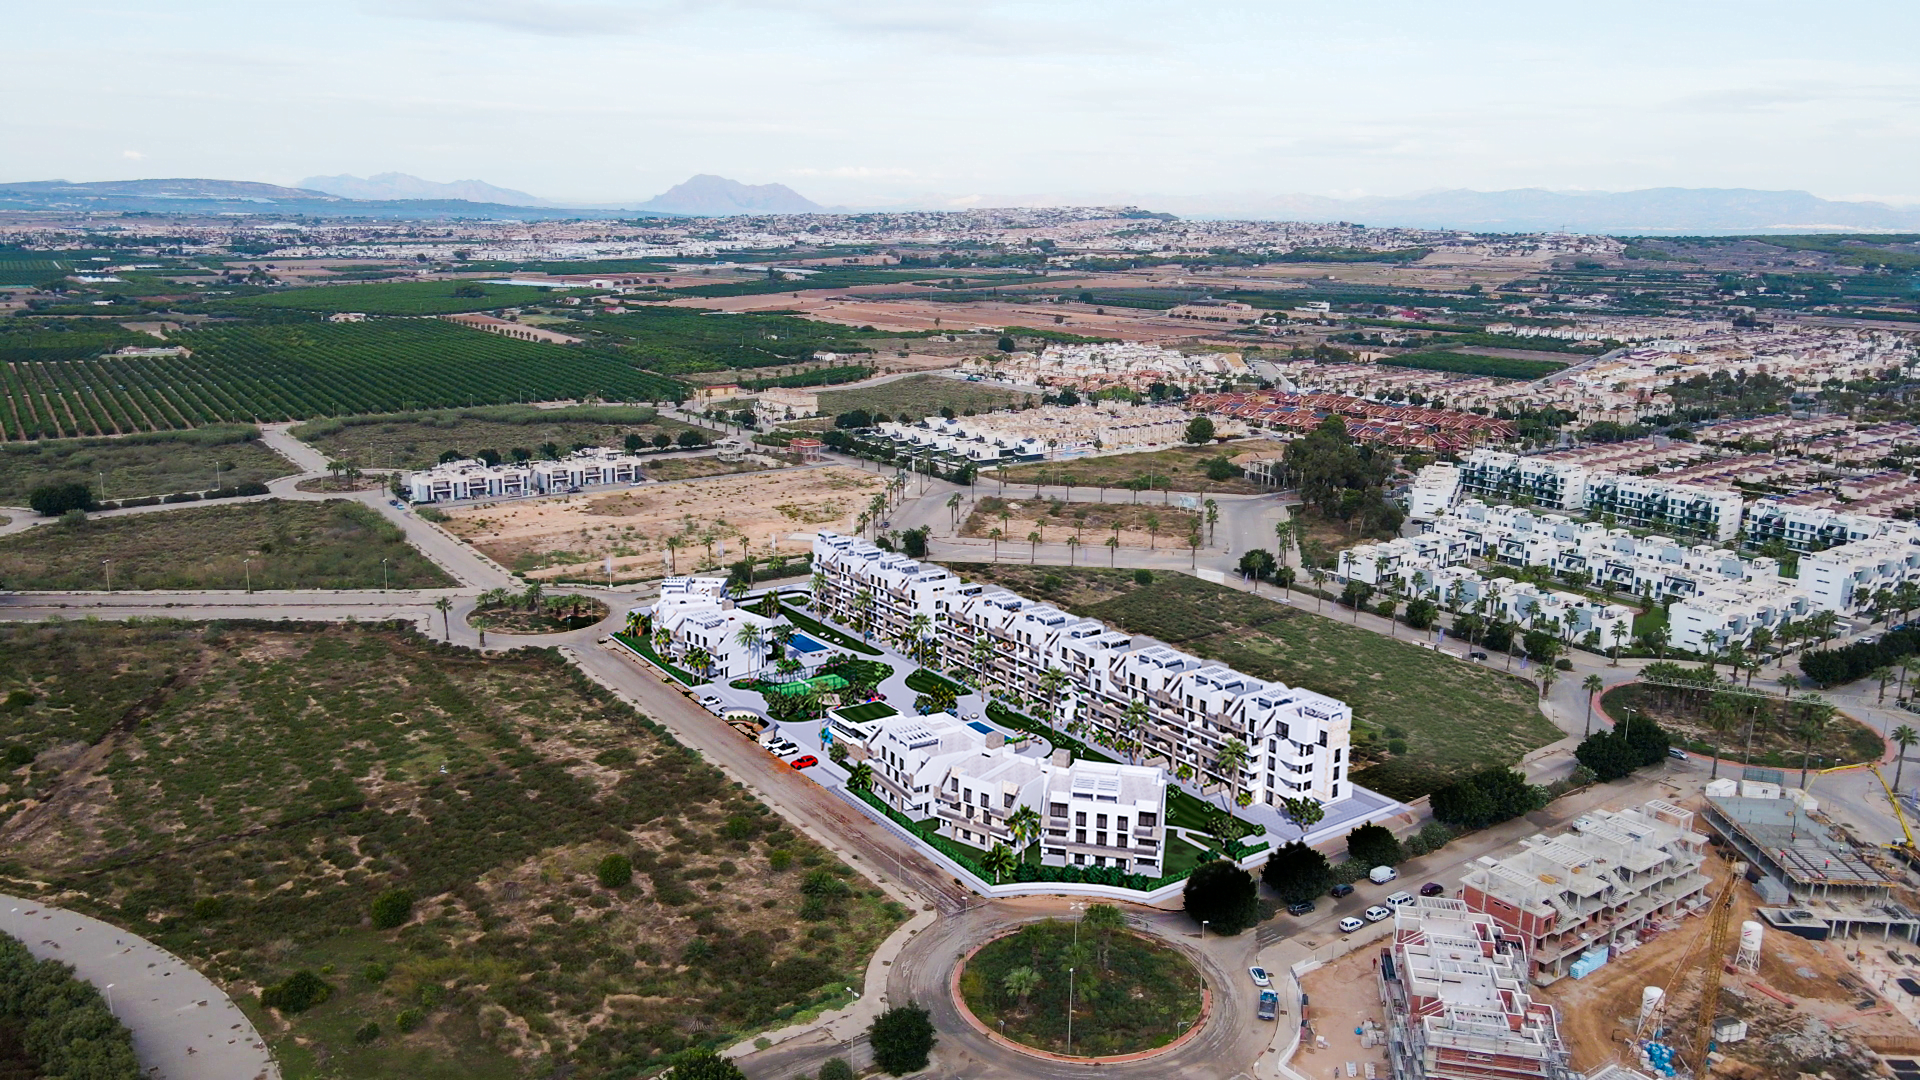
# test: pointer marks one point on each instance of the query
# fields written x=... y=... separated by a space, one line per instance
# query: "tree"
x=836 y=1069
x=1374 y=845
x=998 y=861
x=1223 y=896
x=1257 y=563
x=1033 y=542
x=1815 y=716
x=704 y=1065
x=1303 y=812
x=53 y=500
x=1592 y=684
x=445 y=607
x=1021 y=982
x=1297 y=872
x=1486 y=798
x=1103 y=920
x=392 y=908
x=1199 y=430
x=1006 y=344
x=1024 y=822
x=1904 y=737
x=902 y=1038
x=615 y=871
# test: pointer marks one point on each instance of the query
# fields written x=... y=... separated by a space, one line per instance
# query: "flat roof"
x=1803 y=849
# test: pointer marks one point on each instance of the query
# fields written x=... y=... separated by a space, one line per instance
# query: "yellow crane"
x=1908 y=850
x=1719 y=926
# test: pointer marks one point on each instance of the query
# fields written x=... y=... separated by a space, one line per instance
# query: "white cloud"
x=132 y=155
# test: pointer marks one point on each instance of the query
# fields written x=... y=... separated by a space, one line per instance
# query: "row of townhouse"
x=966 y=777
x=696 y=614
x=1634 y=501
x=1418 y=567
x=1056 y=431
x=469 y=478
x=1296 y=741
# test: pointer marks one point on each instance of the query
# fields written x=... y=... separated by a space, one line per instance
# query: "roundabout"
x=1220 y=1026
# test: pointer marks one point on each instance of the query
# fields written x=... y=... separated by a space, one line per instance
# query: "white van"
x=1380 y=875
x=1400 y=899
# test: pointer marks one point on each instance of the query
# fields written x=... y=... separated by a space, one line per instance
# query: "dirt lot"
x=1056 y=521
x=569 y=536
x=1182 y=467
x=1341 y=997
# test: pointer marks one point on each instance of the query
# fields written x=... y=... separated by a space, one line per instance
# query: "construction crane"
x=1719 y=924
x=1908 y=851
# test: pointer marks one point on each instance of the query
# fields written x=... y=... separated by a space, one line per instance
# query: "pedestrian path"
x=184 y=1027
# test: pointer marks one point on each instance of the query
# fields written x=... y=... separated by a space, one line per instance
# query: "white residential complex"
x=696 y=614
x=470 y=478
x=1295 y=742
x=1091 y=813
x=1640 y=502
x=1122 y=363
x=1052 y=432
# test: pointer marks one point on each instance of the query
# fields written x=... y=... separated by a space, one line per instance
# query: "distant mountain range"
x=1648 y=211
x=707 y=195
x=398 y=185
x=203 y=196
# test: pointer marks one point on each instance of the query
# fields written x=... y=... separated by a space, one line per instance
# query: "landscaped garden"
x=535 y=612
x=1421 y=718
x=1735 y=723
x=1128 y=993
x=404 y=859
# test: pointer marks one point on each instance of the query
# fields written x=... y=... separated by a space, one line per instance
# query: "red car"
x=805 y=761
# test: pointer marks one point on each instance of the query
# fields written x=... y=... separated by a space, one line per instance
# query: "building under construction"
x=1454 y=983
x=1577 y=899
x=1812 y=882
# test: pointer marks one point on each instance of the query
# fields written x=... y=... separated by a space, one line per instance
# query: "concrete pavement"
x=184 y=1027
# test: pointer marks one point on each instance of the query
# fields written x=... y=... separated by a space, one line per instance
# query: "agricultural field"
x=398 y=298
x=685 y=341
x=427 y=832
x=707 y=522
x=24 y=341
x=1499 y=367
x=1453 y=717
x=274 y=543
x=416 y=440
x=1144 y=526
x=920 y=395
x=295 y=371
x=1179 y=468
x=135 y=466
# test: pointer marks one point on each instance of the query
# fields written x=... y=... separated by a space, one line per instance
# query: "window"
x=1121 y=825
x=1058 y=809
x=1337 y=752
x=1080 y=857
x=1100 y=839
x=1148 y=821
x=1100 y=821
x=1079 y=836
x=1080 y=818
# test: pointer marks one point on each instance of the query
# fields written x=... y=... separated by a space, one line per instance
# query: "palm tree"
x=1193 y=547
x=1723 y=716
x=1213 y=518
x=1033 y=546
x=1282 y=539
x=998 y=861
x=1021 y=982
x=919 y=628
x=1153 y=529
x=445 y=606
x=1113 y=548
x=1133 y=721
x=533 y=595
x=994 y=535
x=1884 y=673
x=1592 y=684
x=751 y=638
x=1073 y=545
x=1711 y=639
x=1620 y=632
x=1229 y=761
x=1025 y=824
x=1548 y=673
x=1904 y=737
x=953 y=508
x=1815 y=715
x=860 y=778
x=1319 y=577
x=698 y=659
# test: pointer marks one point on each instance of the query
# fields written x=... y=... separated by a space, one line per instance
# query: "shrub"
x=16 y=756
x=209 y=907
x=1143 y=577
x=297 y=993
x=1486 y=798
x=615 y=871
x=836 y=1069
x=1612 y=755
x=366 y=1033
x=704 y=1065
x=392 y=908
x=1374 y=845
x=780 y=860
x=52 y=500
x=409 y=1019
x=902 y=1038
x=374 y=972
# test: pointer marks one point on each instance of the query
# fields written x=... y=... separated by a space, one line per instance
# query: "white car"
x=783 y=749
x=1400 y=899
x=1349 y=924
x=1260 y=976
x=1376 y=913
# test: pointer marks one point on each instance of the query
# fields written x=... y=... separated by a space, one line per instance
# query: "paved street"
x=184 y=1027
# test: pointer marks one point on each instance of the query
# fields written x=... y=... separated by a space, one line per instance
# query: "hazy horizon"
x=853 y=103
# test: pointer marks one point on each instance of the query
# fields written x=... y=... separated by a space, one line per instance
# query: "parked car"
x=1380 y=875
x=806 y=761
x=1399 y=899
x=1342 y=890
x=1676 y=753
x=1301 y=908
x=1260 y=976
x=1433 y=888
x=1349 y=924
x=783 y=749
x=1269 y=1004
x=1476 y=655
x=1376 y=913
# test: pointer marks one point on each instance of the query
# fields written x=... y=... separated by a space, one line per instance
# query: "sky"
x=973 y=102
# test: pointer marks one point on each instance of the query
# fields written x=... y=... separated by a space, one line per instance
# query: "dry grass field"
x=1145 y=526
x=571 y=536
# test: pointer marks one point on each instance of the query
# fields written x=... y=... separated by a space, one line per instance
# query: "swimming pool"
x=803 y=644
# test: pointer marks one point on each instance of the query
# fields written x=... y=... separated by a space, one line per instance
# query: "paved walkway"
x=184 y=1027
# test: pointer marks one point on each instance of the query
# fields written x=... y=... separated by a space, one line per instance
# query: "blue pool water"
x=979 y=727
x=801 y=643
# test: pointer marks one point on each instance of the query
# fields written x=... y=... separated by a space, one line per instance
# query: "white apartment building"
x=697 y=614
x=1732 y=610
x=470 y=478
x=1092 y=813
x=1435 y=489
x=1806 y=527
x=1297 y=741
x=1632 y=501
x=1844 y=578
x=1052 y=431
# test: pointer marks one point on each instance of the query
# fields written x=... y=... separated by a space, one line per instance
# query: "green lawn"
x=926 y=680
x=1180 y=468
x=1455 y=717
x=872 y=710
x=1136 y=994
x=274 y=543
x=416 y=440
x=273 y=780
x=644 y=648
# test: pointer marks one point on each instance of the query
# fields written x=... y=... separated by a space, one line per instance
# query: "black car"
x=1301 y=908
x=1342 y=890
x=1476 y=656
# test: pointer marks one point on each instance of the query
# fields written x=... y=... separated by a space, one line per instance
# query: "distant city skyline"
x=856 y=103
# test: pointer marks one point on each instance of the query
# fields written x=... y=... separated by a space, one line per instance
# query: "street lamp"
x=1203 y=929
x=1069 y=1012
x=246 y=567
x=110 y=1011
x=108 y=563
x=383 y=575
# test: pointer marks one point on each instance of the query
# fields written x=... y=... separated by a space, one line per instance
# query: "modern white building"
x=1731 y=611
x=1846 y=577
x=470 y=478
x=1294 y=742
x=965 y=775
x=1435 y=489
x=696 y=613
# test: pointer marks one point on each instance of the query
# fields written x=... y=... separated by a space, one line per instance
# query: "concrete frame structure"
x=1600 y=884
x=1297 y=741
x=1455 y=988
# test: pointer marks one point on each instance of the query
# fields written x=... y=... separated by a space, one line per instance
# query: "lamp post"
x=1203 y=929
x=1069 y=1012
x=246 y=567
x=103 y=487
x=108 y=563
x=383 y=575
x=110 y=1012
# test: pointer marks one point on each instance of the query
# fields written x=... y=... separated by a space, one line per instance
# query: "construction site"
x=1736 y=934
